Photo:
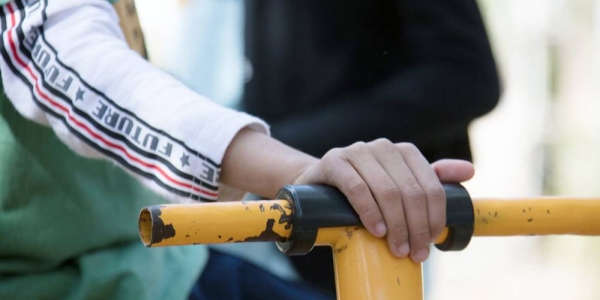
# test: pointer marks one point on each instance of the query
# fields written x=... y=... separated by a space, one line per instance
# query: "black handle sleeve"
x=322 y=206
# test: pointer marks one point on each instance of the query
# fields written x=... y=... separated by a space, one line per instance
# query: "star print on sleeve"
x=185 y=160
x=79 y=95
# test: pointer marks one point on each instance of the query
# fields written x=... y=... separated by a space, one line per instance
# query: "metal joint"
x=314 y=207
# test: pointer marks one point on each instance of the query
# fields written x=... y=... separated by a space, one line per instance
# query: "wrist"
x=259 y=164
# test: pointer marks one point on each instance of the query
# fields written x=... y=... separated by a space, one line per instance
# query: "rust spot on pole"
x=340 y=249
x=348 y=233
x=152 y=228
x=160 y=231
x=285 y=218
x=267 y=235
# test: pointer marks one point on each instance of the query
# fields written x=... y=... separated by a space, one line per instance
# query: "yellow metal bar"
x=365 y=269
x=536 y=216
x=249 y=220
x=364 y=266
x=215 y=223
x=442 y=237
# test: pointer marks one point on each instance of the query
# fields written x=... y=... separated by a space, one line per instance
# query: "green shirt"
x=68 y=225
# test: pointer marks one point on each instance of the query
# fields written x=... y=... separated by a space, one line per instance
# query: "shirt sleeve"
x=65 y=64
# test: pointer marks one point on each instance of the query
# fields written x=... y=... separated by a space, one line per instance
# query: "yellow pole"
x=130 y=25
x=215 y=223
x=241 y=221
x=536 y=216
x=365 y=268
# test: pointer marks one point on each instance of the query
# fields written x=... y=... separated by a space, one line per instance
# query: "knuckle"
x=382 y=142
x=333 y=158
x=390 y=192
x=333 y=154
x=367 y=211
x=435 y=190
x=415 y=193
x=371 y=212
x=328 y=163
x=408 y=147
x=419 y=233
x=358 y=144
x=400 y=230
x=357 y=187
x=357 y=148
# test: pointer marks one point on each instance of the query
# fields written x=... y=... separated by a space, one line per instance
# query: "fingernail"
x=403 y=250
x=380 y=229
x=421 y=255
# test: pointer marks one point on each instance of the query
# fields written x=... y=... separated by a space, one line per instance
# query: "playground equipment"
x=314 y=215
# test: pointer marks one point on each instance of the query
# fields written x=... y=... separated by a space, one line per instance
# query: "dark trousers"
x=227 y=277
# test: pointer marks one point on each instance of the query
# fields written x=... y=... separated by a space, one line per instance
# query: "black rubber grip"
x=322 y=206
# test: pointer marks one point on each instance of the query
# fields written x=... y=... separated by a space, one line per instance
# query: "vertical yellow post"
x=130 y=24
x=365 y=268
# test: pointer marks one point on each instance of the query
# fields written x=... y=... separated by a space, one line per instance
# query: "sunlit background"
x=542 y=139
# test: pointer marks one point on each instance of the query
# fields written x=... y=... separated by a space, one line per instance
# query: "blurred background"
x=542 y=139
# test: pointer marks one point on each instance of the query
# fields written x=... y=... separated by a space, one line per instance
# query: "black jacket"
x=328 y=73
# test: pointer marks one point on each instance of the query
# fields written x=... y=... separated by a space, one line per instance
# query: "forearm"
x=259 y=164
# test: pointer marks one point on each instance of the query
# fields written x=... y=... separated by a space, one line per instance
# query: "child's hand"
x=394 y=190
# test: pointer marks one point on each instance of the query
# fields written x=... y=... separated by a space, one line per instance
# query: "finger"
x=433 y=199
x=453 y=170
x=345 y=177
x=386 y=191
x=409 y=202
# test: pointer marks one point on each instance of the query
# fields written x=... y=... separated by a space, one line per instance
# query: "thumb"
x=453 y=170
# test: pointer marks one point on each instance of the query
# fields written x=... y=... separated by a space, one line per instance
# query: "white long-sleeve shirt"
x=65 y=64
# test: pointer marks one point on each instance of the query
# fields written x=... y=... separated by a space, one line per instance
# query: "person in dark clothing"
x=328 y=73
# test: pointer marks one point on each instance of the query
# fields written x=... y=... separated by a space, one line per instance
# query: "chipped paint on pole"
x=365 y=268
x=215 y=223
